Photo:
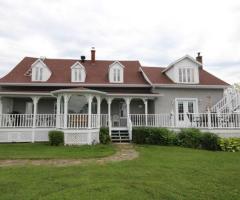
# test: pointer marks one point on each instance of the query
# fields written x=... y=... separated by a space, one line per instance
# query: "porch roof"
x=78 y=90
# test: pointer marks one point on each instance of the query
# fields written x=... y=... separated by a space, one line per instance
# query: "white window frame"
x=116 y=72
x=78 y=73
x=186 y=75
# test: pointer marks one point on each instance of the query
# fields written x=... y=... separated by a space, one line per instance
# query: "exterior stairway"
x=229 y=103
x=120 y=136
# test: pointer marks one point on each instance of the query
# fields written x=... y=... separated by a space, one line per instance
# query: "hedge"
x=191 y=137
x=160 y=136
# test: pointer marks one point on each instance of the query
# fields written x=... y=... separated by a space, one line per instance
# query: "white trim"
x=78 y=91
x=25 y=93
x=77 y=84
x=44 y=65
x=180 y=59
x=186 y=99
x=78 y=65
x=116 y=62
x=145 y=76
x=185 y=85
x=133 y=95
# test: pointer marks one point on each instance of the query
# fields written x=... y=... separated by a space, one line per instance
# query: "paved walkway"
x=124 y=152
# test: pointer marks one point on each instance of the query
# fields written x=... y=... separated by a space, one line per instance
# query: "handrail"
x=129 y=125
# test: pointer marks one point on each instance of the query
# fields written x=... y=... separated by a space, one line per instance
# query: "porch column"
x=35 y=105
x=1 y=106
x=58 y=117
x=146 y=111
x=127 y=100
x=109 y=101
x=66 y=100
x=99 y=111
x=1 y=111
x=90 y=111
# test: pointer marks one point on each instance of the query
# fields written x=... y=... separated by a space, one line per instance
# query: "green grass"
x=159 y=173
x=45 y=151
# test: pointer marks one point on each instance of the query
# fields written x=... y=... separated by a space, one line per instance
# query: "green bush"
x=56 y=138
x=190 y=137
x=210 y=141
x=159 y=136
x=104 y=136
x=230 y=144
x=140 y=135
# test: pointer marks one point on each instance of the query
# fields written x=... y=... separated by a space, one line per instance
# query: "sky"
x=155 y=32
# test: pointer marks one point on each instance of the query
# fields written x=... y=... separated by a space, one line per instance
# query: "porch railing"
x=76 y=121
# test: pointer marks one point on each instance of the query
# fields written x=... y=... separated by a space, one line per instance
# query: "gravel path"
x=124 y=152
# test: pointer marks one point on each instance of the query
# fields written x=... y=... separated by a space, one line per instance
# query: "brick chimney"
x=93 y=54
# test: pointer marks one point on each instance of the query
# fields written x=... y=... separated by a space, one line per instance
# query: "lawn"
x=45 y=151
x=159 y=173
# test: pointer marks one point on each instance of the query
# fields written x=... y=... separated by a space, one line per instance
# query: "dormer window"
x=40 y=71
x=116 y=70
x=186 y=75
x=78 y=73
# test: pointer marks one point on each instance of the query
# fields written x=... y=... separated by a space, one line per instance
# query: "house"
x=79 y=96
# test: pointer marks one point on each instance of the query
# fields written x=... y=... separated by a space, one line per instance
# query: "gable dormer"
x=184 y=70
x=40 y=71
x=116 y=72
x=78 y=72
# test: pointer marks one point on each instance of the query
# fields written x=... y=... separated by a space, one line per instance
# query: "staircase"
x=120 y=136
x=229 y=103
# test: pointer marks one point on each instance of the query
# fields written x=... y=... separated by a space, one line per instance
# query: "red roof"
x=97 y=73
x=156 y=76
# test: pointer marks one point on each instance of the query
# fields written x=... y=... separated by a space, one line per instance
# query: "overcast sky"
x=154 y=32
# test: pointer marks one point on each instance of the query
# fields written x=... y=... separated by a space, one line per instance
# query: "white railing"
x=94 y=120
x=188 y=120
x=228 y=103
x=45 y=120
x=155 y=120
x=104 y=120
x=77 y=121
x=16 y=120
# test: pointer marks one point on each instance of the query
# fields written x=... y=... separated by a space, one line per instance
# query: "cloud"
x=156 y=32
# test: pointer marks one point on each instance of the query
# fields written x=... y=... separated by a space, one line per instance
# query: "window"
x=39 y=74
x=77 y=75
x=116 y=75
x=116 y=72
x=186 y=75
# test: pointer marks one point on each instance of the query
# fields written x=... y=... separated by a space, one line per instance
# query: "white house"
x=79 y=96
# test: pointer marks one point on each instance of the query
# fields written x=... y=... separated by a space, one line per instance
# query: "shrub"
x=190 y=137
x=140 y=135
x=56 y=137
x=104 y=136
x=230 y=144
x=159 y=136
x=210 y=141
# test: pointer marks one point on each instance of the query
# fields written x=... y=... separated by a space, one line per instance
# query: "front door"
x=123 y=114
x=185 y=109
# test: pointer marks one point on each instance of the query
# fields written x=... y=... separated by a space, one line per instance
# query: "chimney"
x=93 y=55
x=199 y=57
x=83 y=58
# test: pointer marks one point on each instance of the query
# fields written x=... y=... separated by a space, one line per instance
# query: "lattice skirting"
x=23 y=135
x=78 y=137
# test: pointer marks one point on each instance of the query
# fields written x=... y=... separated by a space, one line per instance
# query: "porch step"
x=120 y=136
